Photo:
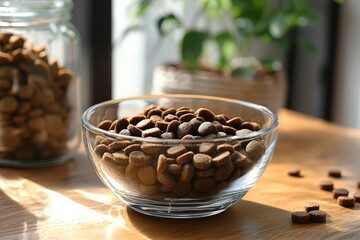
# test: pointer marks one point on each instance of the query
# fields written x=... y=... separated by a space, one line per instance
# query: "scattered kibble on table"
x=295 y=172
x=310 y=206
x=337 y=192
x=327 y=185
x=357 y=197
x=300 y=217
x=344 y=201
x=317 y=216
x=335 y=173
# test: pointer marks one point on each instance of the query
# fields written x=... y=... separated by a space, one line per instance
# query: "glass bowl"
x=200 y=175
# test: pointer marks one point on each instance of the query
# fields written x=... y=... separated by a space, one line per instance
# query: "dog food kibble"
x=327 y=185
x=357 y=197
x=184 y=168
x=310 y=206
x=335 y=173
x=317 y=216
x=337 y=192
x=300 y=217
x=345 y=201
x=294 y=172
x=35 y=106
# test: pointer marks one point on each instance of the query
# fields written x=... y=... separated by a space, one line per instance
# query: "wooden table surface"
x=70 y=202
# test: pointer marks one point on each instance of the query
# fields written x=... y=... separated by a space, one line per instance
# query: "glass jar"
x=39 y=78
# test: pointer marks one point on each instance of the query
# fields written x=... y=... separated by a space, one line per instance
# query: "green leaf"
x=215 y=8
x=226 y=44
x=191 y=47
x=167 y=24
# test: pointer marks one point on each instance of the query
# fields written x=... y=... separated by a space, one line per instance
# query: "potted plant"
x=217 y=47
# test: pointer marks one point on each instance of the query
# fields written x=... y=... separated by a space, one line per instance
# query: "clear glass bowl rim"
x=256 y=134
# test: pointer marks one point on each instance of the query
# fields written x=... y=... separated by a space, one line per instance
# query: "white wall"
x=347 y=94
x=136 y=55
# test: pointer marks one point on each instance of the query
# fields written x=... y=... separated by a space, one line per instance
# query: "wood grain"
x=70 y=202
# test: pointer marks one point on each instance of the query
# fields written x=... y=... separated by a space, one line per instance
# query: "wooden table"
x=70 y=202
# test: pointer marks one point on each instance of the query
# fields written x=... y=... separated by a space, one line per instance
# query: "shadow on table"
x=245 y=220
x=15 y=220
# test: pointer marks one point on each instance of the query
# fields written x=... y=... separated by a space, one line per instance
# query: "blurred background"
x=322 y=81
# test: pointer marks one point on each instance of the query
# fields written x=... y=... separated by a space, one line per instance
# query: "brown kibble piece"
x=171 y=117
x=310 y=206
x=173 y=126
x=221 y=159
x=151 y=132
x=118 y=145
x=137 y=118
x=150 y=148
x=187 y=173
x=162 y=163
x=300 y=217
x=119 y=124
x=205 y=173
x=183 y=130
x=317 y=216
x=187 y=117
x=204 y=184
x=182 y=188
x=167 y=180
x=149 y=189
x=121 y=158
x=225 y=147
x=345 y=201
x=101 y=149
x=335 y=173
x=145 y=124
x=253 y=126
x=206 y=114
x=147 y=175
x=154 y=111
x=148 y=108
x=135 y=131
x=8 y=104
x=223 y=172
x=131 y=148
x=229 y=130
x=176 y=151
x=234 y=122
x=357 y=197
x=207 y=148
x=167 y=135
x=168 y=111
x=243 y=132
x=294 y=172
x=327 y=185
x=162 y=125
x=202 y=161
x=108 y=157
x=185 y=158
x=174 y=169
x=131 y=173
x=139 y=159
x=206 y=128
x=255 y=149
x=337 y=192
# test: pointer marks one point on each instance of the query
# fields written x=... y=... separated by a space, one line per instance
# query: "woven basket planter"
x=270 y=91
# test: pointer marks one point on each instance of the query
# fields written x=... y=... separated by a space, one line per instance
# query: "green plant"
x=245 y=21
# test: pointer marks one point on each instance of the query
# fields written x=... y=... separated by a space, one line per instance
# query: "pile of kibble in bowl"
x=178 y=170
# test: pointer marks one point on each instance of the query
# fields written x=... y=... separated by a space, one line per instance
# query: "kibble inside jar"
x=36 y=102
